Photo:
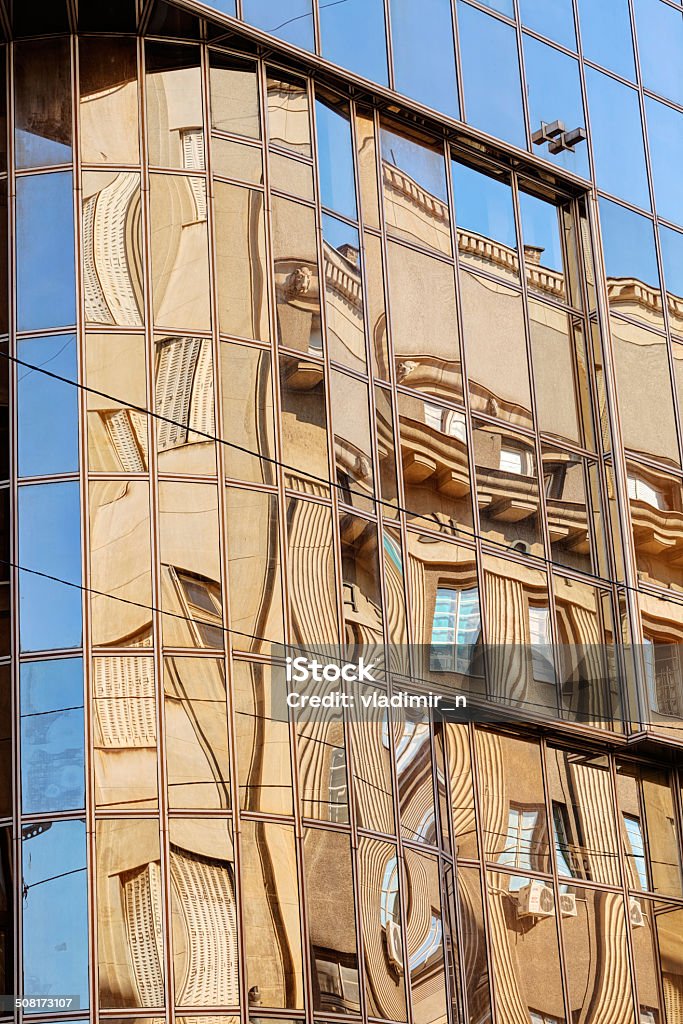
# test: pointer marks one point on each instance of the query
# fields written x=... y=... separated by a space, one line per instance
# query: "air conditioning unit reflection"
x=635 y=913
x=535 y=900
x=568 y=904
x=392 y=932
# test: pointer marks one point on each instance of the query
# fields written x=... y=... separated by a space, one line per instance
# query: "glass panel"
x=109 y=100
x=190 y=565
x=112 y=249
x=174 y=106
x=263 y=749
x=669 y=922
x=459 y=768
x=606 y=35
x=507 y=488
x=660 y=44
x=246 y=389
x=304 y=427
x=42 y=106
x=50 y=544
x=332 y=931
x=288 y=116
x=254 y=568
x=475 y=967
x=130 y=936
x=120 y=563
x=595 y=932
x=554 y=90
x=313 y=601
x=292 y=176
x=55 y=910
x=117 y=435
x=362 y=600
x=353 y=36
x=426 y=349
x=371 y=765
x=180 y=256
x=47 y=407
x=487 y=236
x=343 y=294
x=233 y=160
x=378 y=889
x=184 y=402
x=665 y=132
x=646 y=958
x=296 y=276
x=424 y=64
x=631 y=263
x=541 y=225
x=52 y=736
x=269 y=887
x=6 y=804
x=493 y=105
x=125 y=733
x=565 y=478
x=619 y=156
x=656 y=503
x=672 y=258
x=234 y=96
x=414 y=772
x=377 y=315
x=240 y=262
x=366 y=159
x=415 y=198
x=648 y=829
x=554 y=19
x=7 y=875
x=495 y=342
x=558 y=348
x=335 y=156
x=291 y=20
x=195 y=722
x=352 y=444
x=434 y=459
x=424 y=926
x=46 y=284
x=386 y=452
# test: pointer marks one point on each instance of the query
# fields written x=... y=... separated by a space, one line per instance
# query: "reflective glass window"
x=377 y=314
x=541 y=236
x=631 y=263
x=112 y=249
x=386 y=452
x=412 y=169
x=343 y=294
x=354 y=36
x=665 y=132
x=366 y=159
x=313 y=605
x=646 y=809
x=291 y=20
x=174 y=106
x=492 y=104
x=42 y=83
x=372 y=769
x=560 y=374
x=553 y=19
x=263 y=749
x=304 y=426
x=459 y=768
x=288 y=120
x=46 y=284
x=660 y=45
x=240 y=262
x=296 y=276
x=7 y=874
x=352 y=444
x=569 y=482
x=254 y=567
x=47 y=407
x=108 y=100
x=117 y=434
x=671 y=243
x=234 y=96
x=180 y=252
x=55 y=910
x=52 y=736
x=606 y=35
x=291 y=176
x=656 y=503
x=554 y=90
x=362 y=602
x=507 y=486
x=184 y=402
x=335 y=157
x=619 y=155
x=475 y=967
x=592 y=944
x=378 y=889
x=50 y=543
x=426 y=937
x=484 y=210
x=230 y=159
x=247 y=405
x=423 y=50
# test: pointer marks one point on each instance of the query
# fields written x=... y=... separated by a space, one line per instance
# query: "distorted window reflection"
x=42 y=109
x=415 y=197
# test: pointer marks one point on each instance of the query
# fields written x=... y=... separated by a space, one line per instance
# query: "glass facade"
x=343 y=341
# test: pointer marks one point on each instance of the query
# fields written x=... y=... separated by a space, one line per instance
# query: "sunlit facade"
x=316 y=328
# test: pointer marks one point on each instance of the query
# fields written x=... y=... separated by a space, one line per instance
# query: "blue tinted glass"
x=672 y=257
x=554 y=89
x=353 y=35
x=484 y=205
x=503 y=6
x=52 y=737
x=291 y=20
x=606 y=35
x=338 y=234
x=628 y=244
x=493 y=103
x=665 y=132
x=46 y=289
x=541 y=229
x=55 y=910
x=424 y=53
x=660 y=47
x=423 y=165
x=50 y=543
x=335 y=160
x=617 y=135
x=551 y=18
x=48 y=408
x=224 y=6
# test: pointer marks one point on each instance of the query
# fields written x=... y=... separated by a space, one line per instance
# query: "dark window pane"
x=354 y=36
x=335 y=158
x=660 y=47
x=223 y=6
x=665 y=132
x=51 y=15
x=606 y=35
x=45 y=252
x=551 y=18
x=55 y=910
x=48 y=408
x=107 y=16
x=618 y=151
x=50 y=543
x=52 y=737
x=42 y=80
x=291 y=20
x=554 y=89
x=424 y=57
x=492 y=103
